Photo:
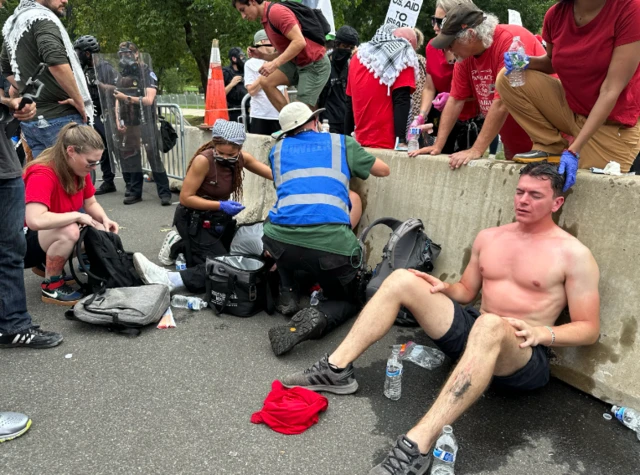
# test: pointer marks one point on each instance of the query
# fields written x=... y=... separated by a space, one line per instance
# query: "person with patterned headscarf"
x=382 y=77
x=204 y=218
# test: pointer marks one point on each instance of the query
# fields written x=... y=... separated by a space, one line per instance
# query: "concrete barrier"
x=601 y=211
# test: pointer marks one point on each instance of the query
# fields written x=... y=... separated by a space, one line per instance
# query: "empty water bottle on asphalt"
x=412 y=139
x=393 y=380
x=518 y=59
x=424 y=356
x=192 y=303
x=324 y=128
x=628 y=417
x=181 y=262
x=444 y=453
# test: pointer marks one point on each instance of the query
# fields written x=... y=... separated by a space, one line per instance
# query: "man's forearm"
x=459 y=293
x=449 y=117
x=293 y=50
x=494 y=121
x=64 y=76
x=569 y=334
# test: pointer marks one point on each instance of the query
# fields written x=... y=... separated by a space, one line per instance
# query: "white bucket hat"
x=296 y=114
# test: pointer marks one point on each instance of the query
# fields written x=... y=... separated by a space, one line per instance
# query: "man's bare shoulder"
x=492 y=233
x=571 y=246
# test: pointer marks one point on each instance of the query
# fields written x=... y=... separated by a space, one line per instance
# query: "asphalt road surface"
x=179 y=401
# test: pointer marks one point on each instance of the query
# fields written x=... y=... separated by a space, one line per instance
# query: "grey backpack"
x=123 y=309
x=408 y=247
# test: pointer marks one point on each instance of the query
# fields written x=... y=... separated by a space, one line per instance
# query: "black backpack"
x=408 y=247
x=110 y=266
x=313 y=23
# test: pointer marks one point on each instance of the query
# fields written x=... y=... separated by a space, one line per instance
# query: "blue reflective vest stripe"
x=311 y=175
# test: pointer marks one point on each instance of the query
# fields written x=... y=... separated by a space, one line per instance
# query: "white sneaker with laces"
x=171 y=238
x=149 y=272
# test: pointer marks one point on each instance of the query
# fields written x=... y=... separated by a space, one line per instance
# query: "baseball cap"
x=459 y=18
x=260 y=36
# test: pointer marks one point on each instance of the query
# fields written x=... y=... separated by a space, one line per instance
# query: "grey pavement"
x=180 y=400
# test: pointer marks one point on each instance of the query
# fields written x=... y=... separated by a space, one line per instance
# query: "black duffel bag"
x=237 y=285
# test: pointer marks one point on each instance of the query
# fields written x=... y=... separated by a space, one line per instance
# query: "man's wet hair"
x=545 y=171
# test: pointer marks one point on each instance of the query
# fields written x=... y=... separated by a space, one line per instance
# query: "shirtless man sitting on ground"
x=529 y=271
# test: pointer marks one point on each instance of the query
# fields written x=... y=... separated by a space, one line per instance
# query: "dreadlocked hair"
x=238 y=170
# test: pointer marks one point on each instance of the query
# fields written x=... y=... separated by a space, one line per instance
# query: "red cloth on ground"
x=582 y=55
x=284 y=19
x=290 y=411
x=476 y=76
x=373 y=104
x=42 y=186
x=442 y=74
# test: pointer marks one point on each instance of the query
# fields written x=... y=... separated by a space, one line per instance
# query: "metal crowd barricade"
x=175 y=161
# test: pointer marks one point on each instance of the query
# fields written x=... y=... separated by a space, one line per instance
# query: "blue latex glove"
x=569 y=168
x=521 y=62
x=231 y=207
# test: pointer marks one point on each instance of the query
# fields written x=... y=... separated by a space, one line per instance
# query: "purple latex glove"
x=419 y=120
x=568 y=167
x=231 y=207
x=440 y=100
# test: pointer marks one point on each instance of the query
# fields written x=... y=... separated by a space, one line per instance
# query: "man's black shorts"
x=533 y=375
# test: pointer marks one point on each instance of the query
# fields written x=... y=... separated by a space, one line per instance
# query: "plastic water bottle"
x=424 y=356
x=517 y=54
x=181 y=262
x=316 y=297
x=444 y=453
x=628 y=417
x=192 y=303
x=42 y=122
x=324 y=128
x=393 y=381
x=412 y=139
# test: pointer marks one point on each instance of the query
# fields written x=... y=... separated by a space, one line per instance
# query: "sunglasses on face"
x=220 y=158
x=436 y=21
x=261 y=46
x=92 y=164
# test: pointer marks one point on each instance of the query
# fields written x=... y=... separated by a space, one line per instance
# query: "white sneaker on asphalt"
x=149 y=272
x=12 y=425
x=171 y=238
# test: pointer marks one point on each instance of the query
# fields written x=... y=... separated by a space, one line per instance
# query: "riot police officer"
x=135 y=118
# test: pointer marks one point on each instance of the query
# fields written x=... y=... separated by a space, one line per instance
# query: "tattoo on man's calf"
x=461 y=385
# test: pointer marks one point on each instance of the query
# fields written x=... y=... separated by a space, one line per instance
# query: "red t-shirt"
x=582 y=55
x=284 y=19
x=477 y=76
x=42 y=186
x=373 y=104
x=442 y=74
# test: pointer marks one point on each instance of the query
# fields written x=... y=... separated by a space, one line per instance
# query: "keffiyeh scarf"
x=23 y=18
x=387 y=56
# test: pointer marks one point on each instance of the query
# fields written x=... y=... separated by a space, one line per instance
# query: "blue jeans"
x=14 y=317
x=38 y=139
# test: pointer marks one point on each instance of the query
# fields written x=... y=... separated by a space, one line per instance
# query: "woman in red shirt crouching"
x=57 y=186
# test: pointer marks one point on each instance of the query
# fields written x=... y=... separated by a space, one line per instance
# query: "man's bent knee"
x=489 y=327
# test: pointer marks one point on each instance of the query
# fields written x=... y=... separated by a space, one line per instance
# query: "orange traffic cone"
x=216 y=99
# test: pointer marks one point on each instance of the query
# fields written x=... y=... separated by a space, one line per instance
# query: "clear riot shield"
x=130 y=124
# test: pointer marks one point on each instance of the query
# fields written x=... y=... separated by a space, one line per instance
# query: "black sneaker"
x=57 y=292
x=31 y=338
x=323 y=376
x=106 y=188
x=307 y=324
x=404 y=458
x=165 y=200
x=287 y=303
x=132 y=199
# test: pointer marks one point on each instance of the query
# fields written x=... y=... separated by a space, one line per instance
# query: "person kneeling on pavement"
x=309 y=227
x=529 y=271
x=204 y=218
x=57 y=185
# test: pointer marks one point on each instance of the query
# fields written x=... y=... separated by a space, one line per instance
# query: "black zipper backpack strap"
x=408 y=226
x=389 y=222
x=269 y=20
